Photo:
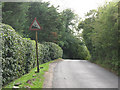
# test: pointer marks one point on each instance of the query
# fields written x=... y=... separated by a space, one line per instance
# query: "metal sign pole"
x=37 y=54
x=36 y=26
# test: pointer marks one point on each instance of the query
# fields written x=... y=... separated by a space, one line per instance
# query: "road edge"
x=49 y=75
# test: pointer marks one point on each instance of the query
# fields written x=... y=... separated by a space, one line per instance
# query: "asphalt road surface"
x=82 y=74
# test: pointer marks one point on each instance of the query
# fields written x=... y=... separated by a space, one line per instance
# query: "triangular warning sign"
x=35 y=25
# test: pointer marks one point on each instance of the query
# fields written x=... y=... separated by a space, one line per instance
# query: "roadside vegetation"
x=95 y=38
x=32 y=79
x=19 y=54
x=57 y=27
x=100 y=32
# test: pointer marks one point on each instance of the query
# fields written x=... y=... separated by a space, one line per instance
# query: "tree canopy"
x=57 y=27
x=100 y=32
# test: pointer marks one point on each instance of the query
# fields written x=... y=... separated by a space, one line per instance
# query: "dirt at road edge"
x=49 y=75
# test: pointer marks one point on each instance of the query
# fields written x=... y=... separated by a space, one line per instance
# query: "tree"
x=88 y=26
x=15 y=14
x=48 y=17
x=100 y=31
x=57 y=27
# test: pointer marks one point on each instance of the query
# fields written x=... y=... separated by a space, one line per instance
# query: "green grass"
x=39 y=78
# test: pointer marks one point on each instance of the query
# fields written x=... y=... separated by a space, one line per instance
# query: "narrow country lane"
x=82 y=74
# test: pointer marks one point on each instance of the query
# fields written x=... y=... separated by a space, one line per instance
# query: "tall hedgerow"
x=19 y=54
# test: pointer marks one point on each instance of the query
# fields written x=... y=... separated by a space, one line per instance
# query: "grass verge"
x=32 y=79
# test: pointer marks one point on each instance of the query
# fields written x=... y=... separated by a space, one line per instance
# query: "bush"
x=1 y=45
x=19 y=54
x=54 y=51
x=83 y=52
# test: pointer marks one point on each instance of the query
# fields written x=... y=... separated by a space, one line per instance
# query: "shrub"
x=54 y=51
x=45 y=53
x=19 y=54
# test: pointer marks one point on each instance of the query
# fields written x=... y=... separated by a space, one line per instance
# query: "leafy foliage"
x=38 y=83
x=19 y=55
x=15 y=15
x=100 y=31
x=54 y=50
x=57 y=27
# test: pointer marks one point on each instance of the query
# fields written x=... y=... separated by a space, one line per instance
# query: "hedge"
x=1 y=45
x=55 y=50
x=19 y=55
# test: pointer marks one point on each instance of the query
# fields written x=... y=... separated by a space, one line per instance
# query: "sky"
x=80 y=7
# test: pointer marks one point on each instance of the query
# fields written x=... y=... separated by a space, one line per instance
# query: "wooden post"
x=37 y=54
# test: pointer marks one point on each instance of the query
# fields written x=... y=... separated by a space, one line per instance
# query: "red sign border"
x=30 y=28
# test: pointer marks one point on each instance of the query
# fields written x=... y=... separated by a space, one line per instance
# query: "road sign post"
x=36 y=26
x=37 y=54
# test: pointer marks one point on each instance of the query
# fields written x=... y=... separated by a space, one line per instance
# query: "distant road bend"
x=82 y=74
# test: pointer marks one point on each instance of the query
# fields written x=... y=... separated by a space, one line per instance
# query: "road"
x=82 y=74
